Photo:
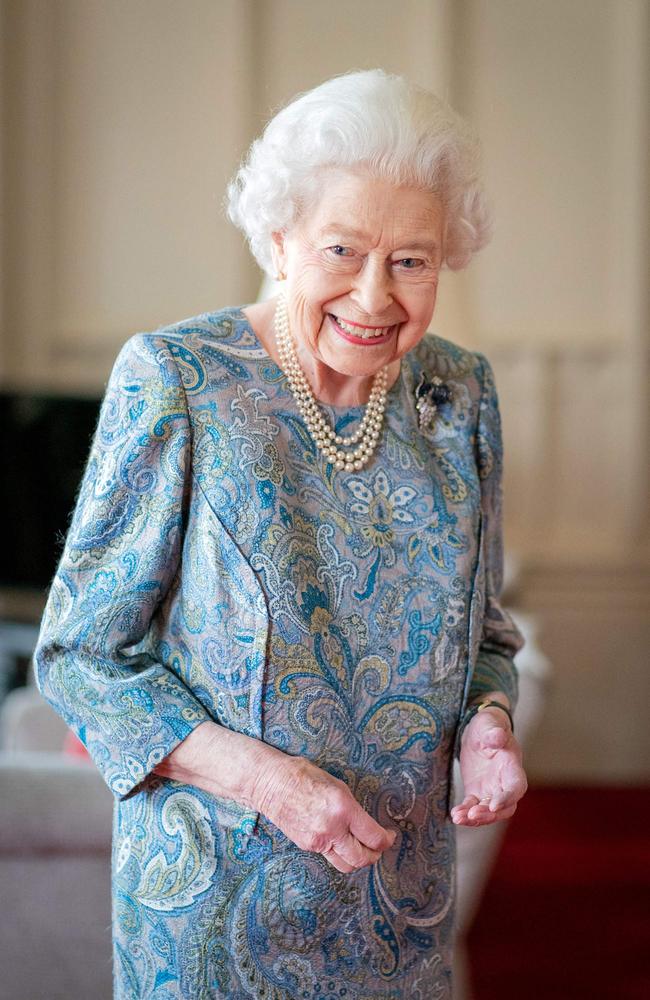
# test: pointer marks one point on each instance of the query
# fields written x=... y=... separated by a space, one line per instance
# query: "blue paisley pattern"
x=217 y=567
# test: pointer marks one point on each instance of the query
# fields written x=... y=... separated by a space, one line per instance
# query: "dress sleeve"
x=95 y=661
x=500 y=638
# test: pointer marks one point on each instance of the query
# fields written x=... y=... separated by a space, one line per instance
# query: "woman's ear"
x=278 y=255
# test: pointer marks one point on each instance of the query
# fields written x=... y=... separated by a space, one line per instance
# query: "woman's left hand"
x=491 y=768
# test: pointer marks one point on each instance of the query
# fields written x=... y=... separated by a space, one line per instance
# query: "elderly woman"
x=276 y=617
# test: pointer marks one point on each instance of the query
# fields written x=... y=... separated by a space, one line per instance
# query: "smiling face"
x=362 y=267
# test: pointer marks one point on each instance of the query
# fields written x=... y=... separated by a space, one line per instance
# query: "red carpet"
x=566 y=915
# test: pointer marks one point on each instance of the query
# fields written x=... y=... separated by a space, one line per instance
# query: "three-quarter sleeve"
x=95 y=661
x=494 y=669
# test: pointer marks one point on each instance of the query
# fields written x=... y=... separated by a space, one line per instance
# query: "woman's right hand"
x=317 y=812
x=313 y=809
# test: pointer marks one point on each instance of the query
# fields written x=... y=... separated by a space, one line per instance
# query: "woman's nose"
x=372 y=288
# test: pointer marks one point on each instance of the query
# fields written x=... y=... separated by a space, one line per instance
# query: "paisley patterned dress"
x=217 y=567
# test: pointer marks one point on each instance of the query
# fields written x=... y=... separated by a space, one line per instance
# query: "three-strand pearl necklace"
x=332 y=445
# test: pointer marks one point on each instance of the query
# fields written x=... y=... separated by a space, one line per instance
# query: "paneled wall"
x=123 y=119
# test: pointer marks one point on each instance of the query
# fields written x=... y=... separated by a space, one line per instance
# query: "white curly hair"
x=371 y=120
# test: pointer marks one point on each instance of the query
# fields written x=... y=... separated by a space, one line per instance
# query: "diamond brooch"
x=430 y=393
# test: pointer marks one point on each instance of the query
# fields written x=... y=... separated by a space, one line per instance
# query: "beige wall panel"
x=27 y=193
x=523 y=382
x=152 y=108
x=574 y=486
x=574 y=483
x=3 y=159
x=543 y=82
x=595 y=464
x=127 y=119
x=629 y=256
x=595 y=627
x=302 y=44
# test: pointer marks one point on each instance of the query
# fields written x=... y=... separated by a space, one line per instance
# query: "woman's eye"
x=410 y=263
x=340 y=251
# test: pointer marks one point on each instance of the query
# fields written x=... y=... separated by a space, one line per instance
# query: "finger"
x=369 y=833
x=485 y=818
x=480 y=810
x=503 y=800
x=462 y=807
x=467 y=803
x=484 y=811
x=353 y=853
x=459 y=815
x=466 y=818
x=461 y=819
x=338 y=862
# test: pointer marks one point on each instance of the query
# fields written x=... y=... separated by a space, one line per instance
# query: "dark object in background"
x=44 y=445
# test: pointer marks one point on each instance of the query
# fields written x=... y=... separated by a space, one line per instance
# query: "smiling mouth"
x=361 y=334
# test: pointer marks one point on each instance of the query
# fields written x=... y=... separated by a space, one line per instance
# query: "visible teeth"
x=358 y=331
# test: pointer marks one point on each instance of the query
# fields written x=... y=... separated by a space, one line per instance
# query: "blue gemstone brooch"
x=430 y=393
